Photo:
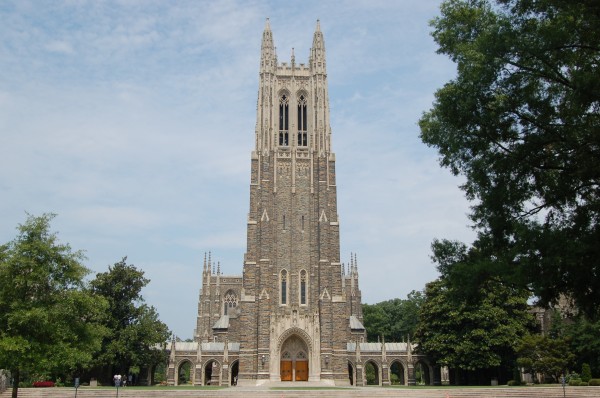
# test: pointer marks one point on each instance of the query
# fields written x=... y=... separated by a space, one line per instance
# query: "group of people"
x=121 y=381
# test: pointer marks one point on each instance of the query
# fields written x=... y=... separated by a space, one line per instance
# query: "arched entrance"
x=211 y=373
x=372 y=373
x=294 y=360
x=397 y=374
x=235 y=369
x=351 y=373
x=183 y=373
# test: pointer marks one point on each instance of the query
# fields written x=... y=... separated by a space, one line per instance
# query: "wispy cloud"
x=134 y=121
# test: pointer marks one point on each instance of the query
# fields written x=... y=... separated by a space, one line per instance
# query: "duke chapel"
x=295 y=312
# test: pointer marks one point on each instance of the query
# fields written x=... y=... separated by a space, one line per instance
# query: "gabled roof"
x=222 y=323
x=355 y=323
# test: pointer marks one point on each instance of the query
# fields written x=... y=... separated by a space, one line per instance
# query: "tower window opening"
x=302 y=122
x=303 y=287
x=229 y=301
x=284 y=287
x=303 y=223
x=284 y=113
x=284 y=222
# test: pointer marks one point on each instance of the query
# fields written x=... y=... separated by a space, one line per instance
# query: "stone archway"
x=233 y=377
x=294 y=359
x=397 y=373
x=371 y=371
x=212 y=373
x=183 y=373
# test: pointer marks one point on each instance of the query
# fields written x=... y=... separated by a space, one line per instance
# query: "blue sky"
x=134 y=122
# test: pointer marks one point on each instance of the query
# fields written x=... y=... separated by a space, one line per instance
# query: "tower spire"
x=267 y=58
x=317 y=52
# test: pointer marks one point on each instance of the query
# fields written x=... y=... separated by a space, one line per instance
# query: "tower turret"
x=317 y=52
x=268 y=60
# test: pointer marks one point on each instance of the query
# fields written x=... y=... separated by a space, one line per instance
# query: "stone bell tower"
x=295 y=317
x=295 y=313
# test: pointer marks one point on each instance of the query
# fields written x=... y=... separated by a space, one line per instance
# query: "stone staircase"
x=364 y=392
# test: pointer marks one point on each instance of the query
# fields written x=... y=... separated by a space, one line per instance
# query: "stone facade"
x=295 y=312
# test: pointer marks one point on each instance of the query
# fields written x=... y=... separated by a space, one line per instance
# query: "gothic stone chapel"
x=294 y=315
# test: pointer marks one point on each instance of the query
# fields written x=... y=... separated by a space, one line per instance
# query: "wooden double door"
x=296 y=370
x=294 y=359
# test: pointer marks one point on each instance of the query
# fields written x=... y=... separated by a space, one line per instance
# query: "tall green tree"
x=135 y=329
x=394 y=319
x=475 y=333
x=583 y=337
x=471 y=330
x=49 y=324
x=521 y=122
x=544 y=354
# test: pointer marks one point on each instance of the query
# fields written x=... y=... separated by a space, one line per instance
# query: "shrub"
x=574 y=382
x=594 y=382
x=513 y=383
x=586 y=372
x=43 y=384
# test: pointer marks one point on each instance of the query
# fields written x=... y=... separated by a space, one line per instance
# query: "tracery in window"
x=283 y=291
x=284 y=113
x=303 y=287
x=302 y=122
x=229 y=301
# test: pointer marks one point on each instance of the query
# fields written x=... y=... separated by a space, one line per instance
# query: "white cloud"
x=59 y=46
x=134 y=121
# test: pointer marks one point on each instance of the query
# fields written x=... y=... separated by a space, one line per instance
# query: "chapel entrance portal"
x=294 y=360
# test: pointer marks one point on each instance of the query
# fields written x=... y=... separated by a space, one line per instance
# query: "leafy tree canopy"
x=521 y=121
x=582 y=336
x=394 y=320
x=476 y=332
x=135 y=329
x=49 y=324
x=543 y=354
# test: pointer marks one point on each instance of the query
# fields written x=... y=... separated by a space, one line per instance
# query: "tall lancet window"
x=284 y=114
x=303 y=287
x=302 y=122
x=283 y=292
x=230 y=301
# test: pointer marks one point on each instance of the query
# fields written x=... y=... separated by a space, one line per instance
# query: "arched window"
x=229 y=301
x=302 y=122
x=283 y=291
x=303 y=287
x=284 y=113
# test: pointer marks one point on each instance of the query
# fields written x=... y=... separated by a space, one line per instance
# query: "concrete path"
x=352 y=392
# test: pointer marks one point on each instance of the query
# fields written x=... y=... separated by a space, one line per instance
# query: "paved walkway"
x=352 y=392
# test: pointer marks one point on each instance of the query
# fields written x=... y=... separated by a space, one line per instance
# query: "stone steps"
x=364 y=392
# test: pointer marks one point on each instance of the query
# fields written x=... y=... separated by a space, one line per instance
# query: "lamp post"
x=76 y=386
